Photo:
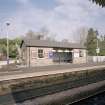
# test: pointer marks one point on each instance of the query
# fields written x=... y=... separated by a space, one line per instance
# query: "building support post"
x=29 y=57
x=7 y=44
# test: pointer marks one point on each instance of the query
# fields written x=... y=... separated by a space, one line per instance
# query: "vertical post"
x=97 y=50
x=29 y=57
x=59 y=59
x=86 y=56
x=7 y=44
x=29 y=53
x=72 y=56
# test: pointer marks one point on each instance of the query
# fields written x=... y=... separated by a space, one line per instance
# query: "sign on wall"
x=98 y=50
x=50 y=54
x=76 y=53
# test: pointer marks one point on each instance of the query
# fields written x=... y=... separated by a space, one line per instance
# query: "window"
x=40 y=53
x=80 y=53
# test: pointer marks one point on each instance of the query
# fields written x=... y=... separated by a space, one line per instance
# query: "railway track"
x=31 y=93
x=96 y=99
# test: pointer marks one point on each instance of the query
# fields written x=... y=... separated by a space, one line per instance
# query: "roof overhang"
x=51 y=44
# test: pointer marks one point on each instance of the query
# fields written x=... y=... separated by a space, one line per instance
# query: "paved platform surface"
x=48 y=70
x=50 y=67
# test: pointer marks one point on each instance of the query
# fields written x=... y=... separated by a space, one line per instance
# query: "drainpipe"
x=72 y=52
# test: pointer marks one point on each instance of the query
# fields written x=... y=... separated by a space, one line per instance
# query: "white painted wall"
x=99 y=58
x=2 y=63
x=76 y=56
x=96 y=58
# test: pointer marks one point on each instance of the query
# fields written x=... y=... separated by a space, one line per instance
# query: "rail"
x=34 y=92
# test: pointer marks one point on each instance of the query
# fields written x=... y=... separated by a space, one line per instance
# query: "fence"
x=2 y=63
x=96 y=59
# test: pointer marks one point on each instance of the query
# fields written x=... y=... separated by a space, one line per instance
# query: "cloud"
x=23 y=1
x=62 y=20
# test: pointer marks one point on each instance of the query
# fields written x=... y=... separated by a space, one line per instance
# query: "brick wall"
x=32 y=59
x=35 y=60
x=79 y=58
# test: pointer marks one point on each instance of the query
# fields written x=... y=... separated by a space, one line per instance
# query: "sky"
x=61 y=18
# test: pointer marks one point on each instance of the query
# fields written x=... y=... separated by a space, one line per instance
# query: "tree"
x=81 y=35
x=34 y=35
x=12 y=46
x=102 y=45
x=51 y=37
x=100 y=2
x=3 y=44
x=13 y=51
x=44 y=31
x=43 y=34
x=30 y=34
x=65 y=41
x=91 y=42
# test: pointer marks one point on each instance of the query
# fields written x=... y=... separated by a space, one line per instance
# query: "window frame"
x=81 y=53
x=40 y=53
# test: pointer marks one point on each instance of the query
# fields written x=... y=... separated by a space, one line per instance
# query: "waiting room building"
x=44 y=52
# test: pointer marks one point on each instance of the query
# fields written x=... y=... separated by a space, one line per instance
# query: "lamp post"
x=97 y=49
x=7 y=24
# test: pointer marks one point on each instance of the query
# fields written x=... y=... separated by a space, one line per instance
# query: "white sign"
x=98 y=50
x=50 y=54
x=76 y=53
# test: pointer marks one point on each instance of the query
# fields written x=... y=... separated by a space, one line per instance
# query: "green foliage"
x=100 y=2
x=3 y=45
x=12 y=46
x=102 y=46
x=91 y=42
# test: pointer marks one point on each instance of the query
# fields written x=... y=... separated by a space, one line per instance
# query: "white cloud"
x=23 y=1
x=62 y=20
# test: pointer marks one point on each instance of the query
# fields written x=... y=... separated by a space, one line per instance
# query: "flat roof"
x=50 y=44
